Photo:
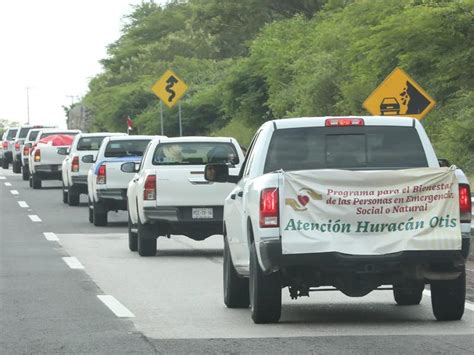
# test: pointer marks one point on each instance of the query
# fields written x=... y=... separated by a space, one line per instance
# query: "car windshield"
x=126 y=148
x=24 y=132
x=11 y=134
x=345 y=148
x=195 y=153
x=90 y=143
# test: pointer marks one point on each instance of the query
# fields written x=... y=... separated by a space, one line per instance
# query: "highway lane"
x=176 y=296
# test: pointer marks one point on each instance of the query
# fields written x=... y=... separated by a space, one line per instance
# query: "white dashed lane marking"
x=34 y=218
x=14 y=192
x=115 y=306
x=51 y=237
x=23 y=204
x=2 y=177
x=72 y=262
x=8 y=184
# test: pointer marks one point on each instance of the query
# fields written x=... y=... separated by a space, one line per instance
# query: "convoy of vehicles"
x=171 y=165
x=200 y=186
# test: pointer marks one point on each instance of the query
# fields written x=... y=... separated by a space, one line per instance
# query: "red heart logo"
x=303 y=199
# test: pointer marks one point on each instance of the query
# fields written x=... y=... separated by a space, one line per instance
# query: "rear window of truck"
x=33 y=135
x=24 y=132
x=355 y=147
x=90 y=143
x=11 y=134
x=195 y=153
x=126 y=148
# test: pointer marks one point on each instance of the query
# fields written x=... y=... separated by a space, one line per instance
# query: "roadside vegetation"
x=249 y=61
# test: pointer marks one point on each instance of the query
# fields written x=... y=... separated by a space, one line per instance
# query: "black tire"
x=65 y=194
x=448 y=298
x=25 y=174
x=16 y=167
x=265 y=292
x=35 y=182
x=5 y=164
x=99 y=215
x=132 y=236
x=236 y=288
x=73 y=198
x=408 y=296
x=146 y=239
x=31 y=181
x=91 y=213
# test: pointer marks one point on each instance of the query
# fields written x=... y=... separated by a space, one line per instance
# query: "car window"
x=195 y=153
x=24 y=132
x=126 y=148
x=90 y=143
x=11 y=134
x=345 y=148
x=32 y=135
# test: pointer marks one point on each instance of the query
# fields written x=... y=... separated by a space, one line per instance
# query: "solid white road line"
x=467 y=305
x=14 y=192
x=72 y=262
x=51 y=237
x=34 y=218
x=115 y=306
x=23 y=204
x=8 y=184
x=2 y=177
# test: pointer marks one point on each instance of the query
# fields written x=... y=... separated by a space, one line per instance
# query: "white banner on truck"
x=370 y=212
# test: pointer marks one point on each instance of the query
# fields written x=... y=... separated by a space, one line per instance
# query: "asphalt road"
x=54 y=265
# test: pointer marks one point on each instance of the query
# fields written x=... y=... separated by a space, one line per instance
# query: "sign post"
x=399 y=95
x=170 y=89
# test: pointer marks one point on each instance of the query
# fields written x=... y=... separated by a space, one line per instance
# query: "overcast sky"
x=53 y=47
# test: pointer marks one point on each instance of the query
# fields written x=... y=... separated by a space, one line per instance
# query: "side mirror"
x=63 y=151
x=130 y=167
x=218 y=173
x=88 y=159
x=444 y=163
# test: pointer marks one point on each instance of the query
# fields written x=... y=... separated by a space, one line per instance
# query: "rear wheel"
x=73 y=198
x=25 y=174
x=236 y=288
x=265 y=292
x=65 y=194
x=132 y=235
x=448 y=298
x=146 y=239
x=408 y=296
x=91 y=211
x=5 y=164
x=35 y=181
x=16 y=166
x=99 y=215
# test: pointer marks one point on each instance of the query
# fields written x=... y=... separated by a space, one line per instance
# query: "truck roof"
x=196 y=139
x=320 y=121
x=131 y=138
x=101 y=134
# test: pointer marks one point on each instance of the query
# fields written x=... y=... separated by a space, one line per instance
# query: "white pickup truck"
x=107 y=182
x=8 y=146
x=46 y=158
x=25 y=152
x=75 y=170
x=169 y=194
x=317 y=203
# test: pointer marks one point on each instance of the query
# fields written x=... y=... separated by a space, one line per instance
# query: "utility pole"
x=28 y=104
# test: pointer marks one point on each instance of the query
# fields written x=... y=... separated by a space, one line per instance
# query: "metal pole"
x=161 y=116
x=28 y=103
x=180 y=123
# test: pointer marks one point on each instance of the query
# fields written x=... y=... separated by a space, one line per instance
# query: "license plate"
x=202 y=213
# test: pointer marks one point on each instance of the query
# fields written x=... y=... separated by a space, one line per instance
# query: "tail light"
x=17 y=146
x=465 y=203
x=75 y=164
x=37 y=155
x=5 y=144
x=269 y=208
x=26 y=150
x=331 y=122
x=102 y=175
x=149 y=192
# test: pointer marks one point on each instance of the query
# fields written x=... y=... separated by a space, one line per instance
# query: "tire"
x=25 y=174
x=31 y=181
x=65 y=194
x=91 y=213
x=99 y=216
x=132 y=236
x=73 y=198
x=35 y=182
x=265 y=292
x=405 y=296
x=448 y=298
x=146 y=241
x=16 y=167
x=5 y=164
x=236 y=288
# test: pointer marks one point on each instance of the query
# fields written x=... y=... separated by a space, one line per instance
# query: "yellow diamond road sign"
x=399 y=95
x=170 y=88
